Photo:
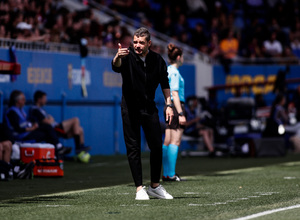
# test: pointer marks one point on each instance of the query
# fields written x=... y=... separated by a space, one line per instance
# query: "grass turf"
x=219 y=188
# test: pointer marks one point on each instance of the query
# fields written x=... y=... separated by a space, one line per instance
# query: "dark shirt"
x=140 y=80
x=13 y=118
x=190 y=115
x=36 y=115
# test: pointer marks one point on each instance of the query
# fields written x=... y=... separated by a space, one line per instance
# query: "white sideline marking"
x=191 y=204
x=297 y=163
x=267 y=212
x=289 y=177
x=190 y=193
x=54 y=205
x=244 y=170
x=233 y=200
x=72 y=192
x=268 y=193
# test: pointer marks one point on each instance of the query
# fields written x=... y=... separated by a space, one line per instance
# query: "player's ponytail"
x=173 y=52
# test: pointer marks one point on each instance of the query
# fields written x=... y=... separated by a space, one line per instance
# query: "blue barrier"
x=1 y=106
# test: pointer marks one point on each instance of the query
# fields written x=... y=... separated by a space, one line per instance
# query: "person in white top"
x=272 y=46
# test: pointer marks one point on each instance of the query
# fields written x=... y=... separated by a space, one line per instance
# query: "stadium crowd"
x=223 y=29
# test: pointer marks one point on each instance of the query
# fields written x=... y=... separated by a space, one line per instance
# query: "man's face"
x=43 y=100
x=141 y=45
x=21 y=100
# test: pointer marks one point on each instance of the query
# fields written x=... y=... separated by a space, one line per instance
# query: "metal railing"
x=53 y=47
x=268 y=60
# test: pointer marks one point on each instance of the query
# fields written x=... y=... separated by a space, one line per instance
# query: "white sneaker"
x=142 y=194
x=159 y=192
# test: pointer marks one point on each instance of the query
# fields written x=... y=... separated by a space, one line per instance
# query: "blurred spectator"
x=6 y=169
x=196 y=7
x=295 y=46
x=260 y=101
x=229 y=50
x=2 y=31
x=181 y=25
x=5 y=144
x=277 y=117
x=295 y=39
x=296 y=101
x=215 y=26
x=218 y=9
x=69 y=128
x=166 y=26
x=229 y=46
x=254 y=49
x=141 y=8
x=272 y=46
x=280 y=81
x=280 y=117
x=194 y=127
x=289 y=57
x=199 y=38
x=296 y=30
x=184 y=38
x=255 y=8
x=122 y=6
x=255 y=3
x=213 y=49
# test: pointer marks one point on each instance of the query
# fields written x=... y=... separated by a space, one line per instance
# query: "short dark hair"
x=142 y=32
x=37 y=95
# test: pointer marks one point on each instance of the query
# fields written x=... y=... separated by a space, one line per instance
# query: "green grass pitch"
x=218 y=188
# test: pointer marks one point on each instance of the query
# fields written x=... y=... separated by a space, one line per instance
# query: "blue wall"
x=99 y=113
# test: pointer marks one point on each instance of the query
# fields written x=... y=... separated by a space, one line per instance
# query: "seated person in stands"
x=279 y=117
x=23 y=130
x=5 y=145
x=6 y=169
x=296 y=101
x=195 y=128
x=66 y=129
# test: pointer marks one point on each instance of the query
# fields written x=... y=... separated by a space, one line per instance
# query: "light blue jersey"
x=176 y=82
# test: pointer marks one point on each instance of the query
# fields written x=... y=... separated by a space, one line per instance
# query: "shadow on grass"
x=40 y=199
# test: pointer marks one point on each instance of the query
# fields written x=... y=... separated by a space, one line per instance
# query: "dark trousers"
x=44 y=132
x=132 y=123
